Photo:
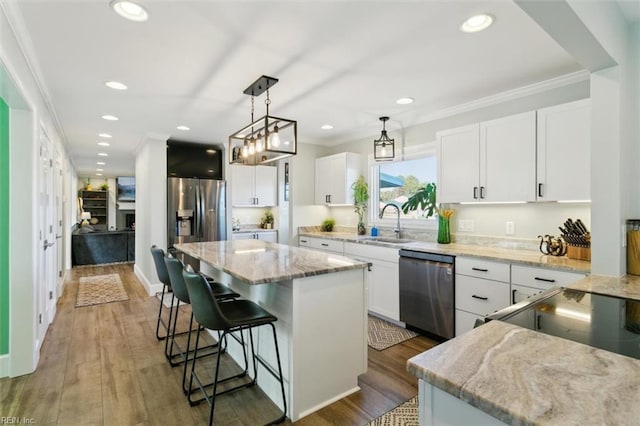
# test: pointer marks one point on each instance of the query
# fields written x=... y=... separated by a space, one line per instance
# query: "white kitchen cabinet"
x=492 y=161
x=384 y=284
x=482 y=287
x=334 y=176
x=254 y=186
x=322 y=244
x=564 y=147
x=269 y=236
x=527 y=281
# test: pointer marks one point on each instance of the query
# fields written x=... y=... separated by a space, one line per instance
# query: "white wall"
x=151 y=207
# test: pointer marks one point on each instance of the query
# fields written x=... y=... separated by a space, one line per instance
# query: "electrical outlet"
x=465 y=225
x=510 y=228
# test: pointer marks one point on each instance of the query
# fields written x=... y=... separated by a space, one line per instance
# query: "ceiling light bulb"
x=252 y=146
x=245 y=150
x=210 y=151
x=105 y=135
x=130 y=10
x=101 y=163
x=274 y=138
x=104 y=143
x=477 y=23
x=103 y=154
x=383 y=151
x=259 y=145
x=181 y=127
x=116 y=85
x=405 y=101
x=98 y=174
x=110 y=117
x=326 y=127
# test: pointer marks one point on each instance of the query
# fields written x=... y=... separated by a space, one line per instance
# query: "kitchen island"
x=320 y=302
x=500 y=373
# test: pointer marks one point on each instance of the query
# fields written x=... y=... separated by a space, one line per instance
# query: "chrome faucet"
x=397 y=229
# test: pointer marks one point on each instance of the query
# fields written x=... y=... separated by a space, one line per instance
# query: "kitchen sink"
x=387 y=240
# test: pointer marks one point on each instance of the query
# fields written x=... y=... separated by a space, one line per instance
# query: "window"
x=397 y=181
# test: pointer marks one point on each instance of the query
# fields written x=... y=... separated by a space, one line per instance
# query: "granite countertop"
x=251 y=230
x=524 y=377
x=626 y=287
x=258 y=262
x=526 y=257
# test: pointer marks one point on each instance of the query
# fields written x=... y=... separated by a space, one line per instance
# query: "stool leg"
x=184 y=370
x=284 y=400
x=215 y=385
x=160 y=316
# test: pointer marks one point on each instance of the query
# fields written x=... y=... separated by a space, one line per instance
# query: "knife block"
x=578 y=253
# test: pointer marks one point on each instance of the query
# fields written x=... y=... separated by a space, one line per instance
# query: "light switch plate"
x=510 y=228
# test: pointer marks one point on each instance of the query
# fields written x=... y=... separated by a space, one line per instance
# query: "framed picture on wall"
x=126 y=188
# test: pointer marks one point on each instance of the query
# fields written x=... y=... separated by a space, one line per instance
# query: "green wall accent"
x=4 y=227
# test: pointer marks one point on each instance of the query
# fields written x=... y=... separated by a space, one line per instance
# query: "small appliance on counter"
x=606 y=322
x=633 y=246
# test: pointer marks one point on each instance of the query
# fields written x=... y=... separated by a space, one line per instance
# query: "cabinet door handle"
x=482 y=192
x=538 y=322
x=513 y=297
x=479 y=297
x=324 y=244
x=475 y=192
x=304 y=241
x=540 y=189
x=480 y=269
x=546 y=280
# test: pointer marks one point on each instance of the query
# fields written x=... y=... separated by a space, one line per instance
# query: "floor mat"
x=100 y=289
x=405 y=414
x=382 y=334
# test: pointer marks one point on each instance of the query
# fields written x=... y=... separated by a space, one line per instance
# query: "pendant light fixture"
x=384 y=148
x=267 y=139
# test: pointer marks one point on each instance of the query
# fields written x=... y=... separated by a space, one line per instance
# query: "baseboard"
x=327 y=402
x=150 y=288
x=4 y=366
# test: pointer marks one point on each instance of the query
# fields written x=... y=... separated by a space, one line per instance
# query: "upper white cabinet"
x=254 y=186
x=490 y=161
x=334 y=176
x=564 y=146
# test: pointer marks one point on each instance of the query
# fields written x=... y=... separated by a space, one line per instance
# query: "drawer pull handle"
x=479 y=297
x=546 y=280
x=513 y=297
x=480 y=269
x=324 y=244
x=304 y=241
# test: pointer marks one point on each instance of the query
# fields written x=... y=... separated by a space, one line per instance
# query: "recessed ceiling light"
x=185 y=128
x=98 y=174
x=404 y=101
x=104 y=143
x=326 y=127
x=210 y=171
x=130 y=10
x=105 y=135
x=477 y=23
x=116 y=85
x=103 y=154
x=99 y=170
x=211 y=151
x=110 y=117
x=101 y=163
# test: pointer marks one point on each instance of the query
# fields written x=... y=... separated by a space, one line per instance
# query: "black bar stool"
x=161 y=269
x=229 y=317
x=220 y=292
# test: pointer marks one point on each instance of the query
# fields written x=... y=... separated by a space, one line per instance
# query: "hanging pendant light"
x=260 y=142
x=384 y=147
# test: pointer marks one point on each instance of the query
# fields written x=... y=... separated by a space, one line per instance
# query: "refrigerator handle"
x=198 y=218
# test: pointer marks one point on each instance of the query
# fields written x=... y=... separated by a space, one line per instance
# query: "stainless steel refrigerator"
x=196 y=210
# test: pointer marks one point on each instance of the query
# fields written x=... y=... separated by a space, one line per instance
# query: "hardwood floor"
x=102 y=365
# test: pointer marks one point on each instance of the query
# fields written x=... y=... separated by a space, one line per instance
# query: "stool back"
x=161 y=268
x=175 y=267
x=203 y=304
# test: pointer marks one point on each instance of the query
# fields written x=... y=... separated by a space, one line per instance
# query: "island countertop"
x=259 y=262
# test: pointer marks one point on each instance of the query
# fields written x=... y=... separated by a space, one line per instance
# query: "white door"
x=60 y=203
x=508 y=158
x=45 y=291
x=384 y=290
x=458 y=164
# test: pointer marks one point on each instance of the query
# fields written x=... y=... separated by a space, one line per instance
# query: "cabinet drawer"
x=465 y=321
x=521 y=292
x=480 y=296
x=322 y=244
x=542 y=278
x=483 y=269
x=370 y=251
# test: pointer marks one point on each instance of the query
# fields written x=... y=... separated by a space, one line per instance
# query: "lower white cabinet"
x=270 y=236
x=482 y=287
x=322 y=244
x=527 y=281
x=384 y=284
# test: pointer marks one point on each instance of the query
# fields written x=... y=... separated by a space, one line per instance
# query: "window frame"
x=409 y=153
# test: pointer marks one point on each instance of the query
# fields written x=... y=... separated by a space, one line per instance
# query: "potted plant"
x=360 y=201
x=327 y=224
x=425 y=200
x=267 y=220
x=104 y=187
x=88 y=186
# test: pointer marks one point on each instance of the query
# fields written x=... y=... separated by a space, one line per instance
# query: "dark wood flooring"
x=102 y=365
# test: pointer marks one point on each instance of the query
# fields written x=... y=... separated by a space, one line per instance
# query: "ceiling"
x=339 y=62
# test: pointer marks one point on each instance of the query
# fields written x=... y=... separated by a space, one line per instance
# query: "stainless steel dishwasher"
x=427 y=290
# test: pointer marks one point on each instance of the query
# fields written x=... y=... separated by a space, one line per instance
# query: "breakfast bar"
x=320 y=302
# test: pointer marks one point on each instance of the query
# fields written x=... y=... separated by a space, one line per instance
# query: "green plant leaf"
x=424 y=199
